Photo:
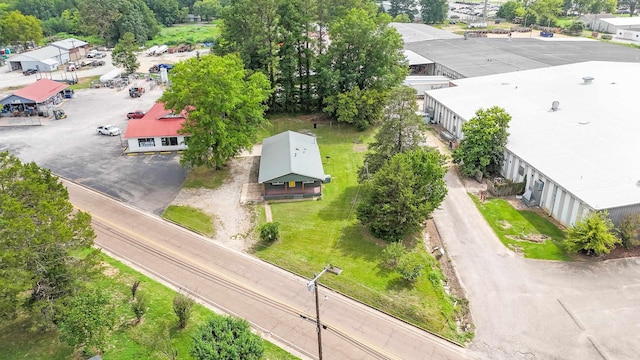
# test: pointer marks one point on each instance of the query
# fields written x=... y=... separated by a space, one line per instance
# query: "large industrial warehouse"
x=573 y=134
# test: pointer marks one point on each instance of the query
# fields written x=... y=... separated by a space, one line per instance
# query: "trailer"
x=162 y=49
x=152 y=50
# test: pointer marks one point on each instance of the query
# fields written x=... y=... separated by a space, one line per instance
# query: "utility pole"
x=312 y=285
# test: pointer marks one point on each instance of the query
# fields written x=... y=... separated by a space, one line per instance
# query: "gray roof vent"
x=554 y=105
x=587 y=80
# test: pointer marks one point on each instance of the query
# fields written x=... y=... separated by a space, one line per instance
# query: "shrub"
x=269 y=232
x=226 y=338
x=392 y=254
x=629 y=230
x=182 y=305
x=606 y=37
x=410 y=266
x=139 y=305
x=593 y=234
x=134 y=288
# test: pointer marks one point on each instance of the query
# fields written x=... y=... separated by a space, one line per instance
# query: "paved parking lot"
x=72 y=148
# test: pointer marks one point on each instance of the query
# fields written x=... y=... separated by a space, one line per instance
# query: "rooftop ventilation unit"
x=554 y=105
x=587 y=80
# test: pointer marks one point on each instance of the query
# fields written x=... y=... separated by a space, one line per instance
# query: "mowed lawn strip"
x=510 y=224
x=19 y=342
x=316 y=233
x=191 y=218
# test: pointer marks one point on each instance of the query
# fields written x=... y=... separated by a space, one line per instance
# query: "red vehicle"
x=138 y=114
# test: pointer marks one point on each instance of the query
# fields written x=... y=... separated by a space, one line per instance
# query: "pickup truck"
x=138 y=114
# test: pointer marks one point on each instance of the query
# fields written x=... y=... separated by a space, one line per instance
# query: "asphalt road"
x=528 y=309
x=273 y=300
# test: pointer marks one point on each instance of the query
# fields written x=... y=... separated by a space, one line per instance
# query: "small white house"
x=47 y=58
x=156 y=131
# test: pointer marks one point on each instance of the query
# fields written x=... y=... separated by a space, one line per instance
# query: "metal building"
x=573 y=133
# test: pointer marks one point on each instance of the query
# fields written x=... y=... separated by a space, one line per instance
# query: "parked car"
x=100 y=55
x=108 y=130
x=138 y=114
x=97 y=63
x=29 y=72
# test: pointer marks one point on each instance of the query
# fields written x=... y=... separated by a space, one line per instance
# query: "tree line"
x=336 y=56
x=107 y=19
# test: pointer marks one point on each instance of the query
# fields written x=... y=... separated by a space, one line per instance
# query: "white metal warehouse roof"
x=590 y=146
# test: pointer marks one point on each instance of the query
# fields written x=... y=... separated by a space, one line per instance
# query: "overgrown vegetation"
x=158 y=336
x=186 y=34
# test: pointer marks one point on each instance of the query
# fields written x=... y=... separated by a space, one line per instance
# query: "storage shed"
x=76 y=48
x=291 y=167
x=47 y=58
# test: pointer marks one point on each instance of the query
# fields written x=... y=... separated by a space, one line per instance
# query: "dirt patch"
x=505 y=224
x=109 y=270
x=533 y=238
x=360 y=148
x=232 y=220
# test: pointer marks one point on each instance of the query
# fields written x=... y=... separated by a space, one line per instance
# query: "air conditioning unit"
x=538 y=185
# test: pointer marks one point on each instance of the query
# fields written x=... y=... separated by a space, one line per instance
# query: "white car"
x=108 y=130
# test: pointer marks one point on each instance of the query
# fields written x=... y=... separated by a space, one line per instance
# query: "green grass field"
x=315 y=233
x=186 y=34
x=20 y=342
x=511 y=225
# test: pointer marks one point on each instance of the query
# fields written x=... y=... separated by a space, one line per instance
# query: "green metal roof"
x=290 y=156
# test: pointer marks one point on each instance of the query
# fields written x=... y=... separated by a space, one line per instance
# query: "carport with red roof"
x=34 y=99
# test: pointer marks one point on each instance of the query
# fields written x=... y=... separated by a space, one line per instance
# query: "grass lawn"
x=201 y=177
x=125 y=342
x=186 y=34
x=191 y=218
x=510 y=225
x=315 y=233
x=84 y=83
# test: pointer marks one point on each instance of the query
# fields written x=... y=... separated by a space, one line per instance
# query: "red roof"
x=41 y=90
x=158 y=121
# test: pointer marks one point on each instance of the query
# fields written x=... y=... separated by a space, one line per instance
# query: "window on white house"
x=146 y=142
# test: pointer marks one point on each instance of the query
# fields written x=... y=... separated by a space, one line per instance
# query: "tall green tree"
x=250 y=28
x=98 y=17
x=40 y=237
x=167 y=12
x=207 y=9
x=87 y=320
x=124 y=54
x=363 y=60
x=224 y=105
x=226 y=338
x=403 y=7
x=111 y=19
x=17 y=28
x=403 y=193
x=434 y=11
x=629 y=230
x=594 y=234
x=401 y=131
x=485 y=139
x=295 y=56
x=41 y=9
x=509 y=10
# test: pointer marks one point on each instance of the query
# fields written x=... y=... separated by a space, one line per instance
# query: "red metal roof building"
x=157 y=130
x=33 y=97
